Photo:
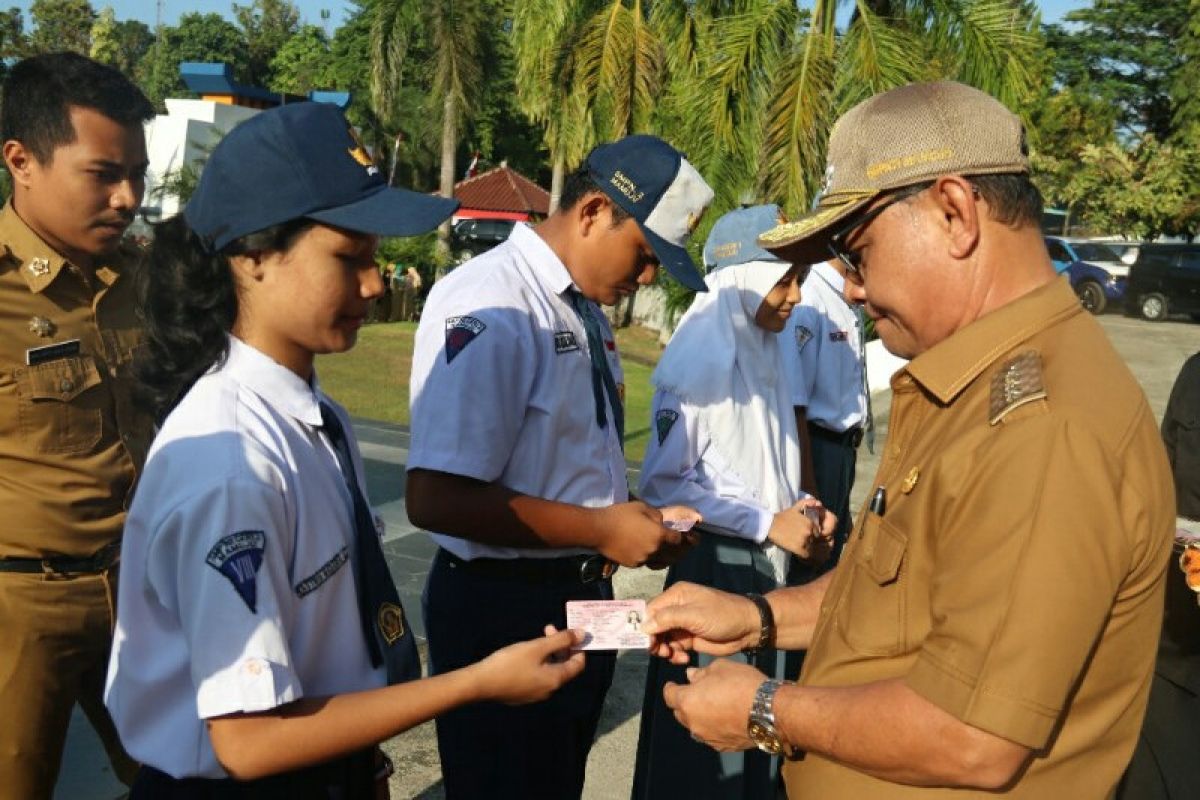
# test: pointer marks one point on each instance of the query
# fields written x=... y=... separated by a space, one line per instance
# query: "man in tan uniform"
x=992 y=624
x=71 y=442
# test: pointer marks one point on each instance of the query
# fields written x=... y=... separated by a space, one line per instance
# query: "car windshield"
x=1090 y=251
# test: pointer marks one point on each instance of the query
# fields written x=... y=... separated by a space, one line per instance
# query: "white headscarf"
x=720 y=361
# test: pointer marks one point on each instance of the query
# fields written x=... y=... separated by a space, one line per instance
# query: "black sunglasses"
x=837 y=242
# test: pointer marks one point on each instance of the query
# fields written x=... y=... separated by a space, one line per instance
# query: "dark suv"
x=1165 y=279
x=470 y=237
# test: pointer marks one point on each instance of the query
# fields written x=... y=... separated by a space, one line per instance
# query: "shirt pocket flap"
x=882 y=551
x=63 y=379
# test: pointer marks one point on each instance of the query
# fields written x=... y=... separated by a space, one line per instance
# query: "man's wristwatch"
x=766 y=617
x=761 y=725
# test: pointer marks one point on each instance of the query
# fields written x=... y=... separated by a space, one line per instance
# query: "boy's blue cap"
x=302 y=160
x=734 y=237
x=663 y=193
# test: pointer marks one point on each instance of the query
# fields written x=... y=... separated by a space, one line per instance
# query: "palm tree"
x=452 y=29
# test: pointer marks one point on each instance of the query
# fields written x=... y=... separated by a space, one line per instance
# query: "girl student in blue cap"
x=724 y=442
x=261 y=649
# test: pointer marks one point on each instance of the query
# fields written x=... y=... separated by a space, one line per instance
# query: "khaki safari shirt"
x=71 y=442
x=1015 y=578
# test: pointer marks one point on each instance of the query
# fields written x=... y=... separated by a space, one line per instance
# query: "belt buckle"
x=595 y=568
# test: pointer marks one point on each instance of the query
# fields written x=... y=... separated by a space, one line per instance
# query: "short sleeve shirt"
x=501 y=387
x=1015 y=579
x=821 y=344
x=71 y=439
x=237 y=592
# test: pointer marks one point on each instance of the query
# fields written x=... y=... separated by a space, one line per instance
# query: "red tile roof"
x=502 y=189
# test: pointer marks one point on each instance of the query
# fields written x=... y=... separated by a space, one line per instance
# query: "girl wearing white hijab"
x=724 y=442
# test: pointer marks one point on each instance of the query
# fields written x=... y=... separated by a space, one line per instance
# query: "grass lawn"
x=372 y=379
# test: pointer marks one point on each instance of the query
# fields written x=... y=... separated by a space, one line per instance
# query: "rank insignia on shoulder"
x=1017 y=382
x=664 y=420
x=803 y=334
x=565 y=342
x=238 y=557
x=460 y=332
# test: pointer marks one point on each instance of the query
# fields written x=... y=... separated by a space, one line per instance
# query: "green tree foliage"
x=105 y=46
x=300 y=65
x=1185 y=83
x=12 y=37
x=1139 y=191
x=134 y=41
x=266 y=26
x=61 y=25
x=197 y=37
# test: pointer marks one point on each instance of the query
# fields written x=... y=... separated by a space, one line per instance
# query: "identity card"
x=608 y=624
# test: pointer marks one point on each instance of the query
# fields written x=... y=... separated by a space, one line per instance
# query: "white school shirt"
x=239 y=474
x=501 y=387
x=821 y=353
x=681 y=467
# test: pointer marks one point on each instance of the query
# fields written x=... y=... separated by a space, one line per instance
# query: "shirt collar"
x=546 y=264
x=281 y=388
x=40 y=263
x=830 y=275
x=951 y=365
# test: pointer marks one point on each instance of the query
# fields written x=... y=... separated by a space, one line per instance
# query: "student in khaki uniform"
x=991 y=626
x=71 y=442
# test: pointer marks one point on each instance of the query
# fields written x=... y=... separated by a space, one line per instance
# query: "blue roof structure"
x=217 y=78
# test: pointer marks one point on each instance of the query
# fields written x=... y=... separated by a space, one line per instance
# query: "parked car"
x=470 y=237
x=1095 y=269
x=1165 y=279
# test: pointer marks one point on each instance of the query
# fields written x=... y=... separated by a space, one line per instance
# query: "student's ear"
x=590 y=209
x=19 y=160
x=248 y=267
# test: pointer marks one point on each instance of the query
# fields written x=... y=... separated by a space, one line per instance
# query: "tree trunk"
x=449 y=145
x=556 y=181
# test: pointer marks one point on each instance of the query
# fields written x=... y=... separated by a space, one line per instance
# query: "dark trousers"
x=348 y=778
x=834 y=457
x=494 y=751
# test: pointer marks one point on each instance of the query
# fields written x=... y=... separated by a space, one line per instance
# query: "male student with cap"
x=826 y=367
x=71 y=441
x=991 y=626
x=516 y=464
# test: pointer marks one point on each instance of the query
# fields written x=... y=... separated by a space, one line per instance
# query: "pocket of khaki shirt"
x=871 y=614
x=58 y=414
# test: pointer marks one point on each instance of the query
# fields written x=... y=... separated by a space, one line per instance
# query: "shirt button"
x=66 y=385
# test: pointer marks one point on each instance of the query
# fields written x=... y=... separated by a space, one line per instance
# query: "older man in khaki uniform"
x=71 y=441
x=992 y=624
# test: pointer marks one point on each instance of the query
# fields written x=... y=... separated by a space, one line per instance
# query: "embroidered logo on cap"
x=238 y=557
x=664 y=420
x=627 y=187
x=565 y=342
x=460 y=332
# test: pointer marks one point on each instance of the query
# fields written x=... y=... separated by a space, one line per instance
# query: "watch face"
x=765 y=738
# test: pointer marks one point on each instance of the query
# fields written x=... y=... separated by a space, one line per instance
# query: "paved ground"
x=1154 y=352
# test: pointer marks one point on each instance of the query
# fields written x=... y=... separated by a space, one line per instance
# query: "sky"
x=310 y=10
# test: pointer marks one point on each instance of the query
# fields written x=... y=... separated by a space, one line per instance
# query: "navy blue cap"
x=302 y=160
x=734 y=237
x=663 y=193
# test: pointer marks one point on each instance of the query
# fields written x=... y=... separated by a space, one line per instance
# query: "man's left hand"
x=715 y=705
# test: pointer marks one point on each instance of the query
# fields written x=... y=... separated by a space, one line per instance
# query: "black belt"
x=568 y=569
x=851 y=436
x=99 y=561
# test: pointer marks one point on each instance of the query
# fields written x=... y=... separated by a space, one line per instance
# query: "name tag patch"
x=327 y=571
x=51 y=352
x=803 y=335
x=460 y=332
x=837 y=336
x=238 y=557
x=565 y=342
x=664 y=420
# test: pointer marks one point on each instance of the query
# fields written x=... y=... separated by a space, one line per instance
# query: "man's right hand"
x=633 y=534
x=689 y=617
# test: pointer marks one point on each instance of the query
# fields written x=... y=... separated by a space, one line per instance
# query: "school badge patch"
x=238 y=557
x=664 y=420
x=391 y=622
x=803 y=334
x=460 y=332
x=565 y=342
